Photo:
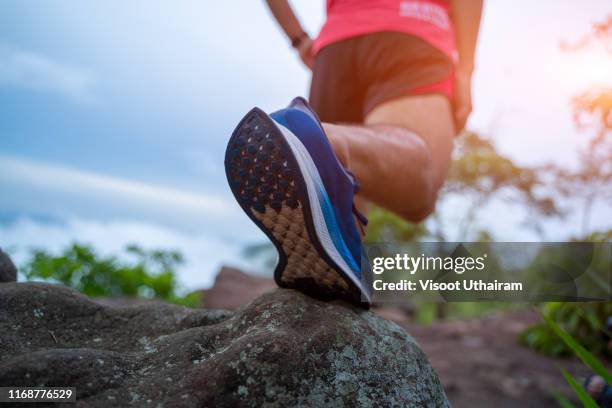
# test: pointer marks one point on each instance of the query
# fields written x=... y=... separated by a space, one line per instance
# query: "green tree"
x=586 y=185
x=151 y=275
x=481 y=174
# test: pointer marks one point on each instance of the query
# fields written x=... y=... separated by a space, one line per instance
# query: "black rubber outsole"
x=265 y=178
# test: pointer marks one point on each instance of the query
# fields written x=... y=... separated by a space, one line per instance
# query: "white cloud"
x=204 y=254
x=65 y=179
x=34 y=71
x=42 y=188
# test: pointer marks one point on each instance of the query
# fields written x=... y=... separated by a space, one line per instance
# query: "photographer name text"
x=431 y=285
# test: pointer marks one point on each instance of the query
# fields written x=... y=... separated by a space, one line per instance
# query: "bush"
x=152 y=275
x=585 y=322
x=587 y=358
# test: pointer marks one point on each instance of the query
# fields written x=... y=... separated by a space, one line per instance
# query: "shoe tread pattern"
x=265 y=179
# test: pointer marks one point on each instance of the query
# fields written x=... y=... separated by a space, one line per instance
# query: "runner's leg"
x=402 y=154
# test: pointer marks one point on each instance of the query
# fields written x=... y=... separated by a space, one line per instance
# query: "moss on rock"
x=283 y=349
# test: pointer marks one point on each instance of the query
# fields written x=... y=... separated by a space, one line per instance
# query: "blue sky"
x=115 y=114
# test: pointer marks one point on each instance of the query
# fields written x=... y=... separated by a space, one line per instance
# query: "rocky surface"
x=283 y=349
x=480 y=361
x=8 y=272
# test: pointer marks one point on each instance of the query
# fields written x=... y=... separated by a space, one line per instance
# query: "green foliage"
x=585 y=322
x=479 y=169
x=480 y=173
x=152 y=275
x=563 y=402
x=192 y=299
x=427 y=313
x=585 y=398
x=483 y=174
x=384 y=226
x=597 y=236
x=587 y=358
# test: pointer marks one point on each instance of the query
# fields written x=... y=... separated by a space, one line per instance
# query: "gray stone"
x=283 y=349
x=8 y=272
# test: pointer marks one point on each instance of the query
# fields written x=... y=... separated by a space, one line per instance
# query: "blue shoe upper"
x=339 y=185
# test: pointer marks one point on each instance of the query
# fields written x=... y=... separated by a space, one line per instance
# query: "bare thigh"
x=429 y=117
x=401 y=155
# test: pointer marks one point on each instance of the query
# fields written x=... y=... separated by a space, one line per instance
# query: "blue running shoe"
x=286 y=177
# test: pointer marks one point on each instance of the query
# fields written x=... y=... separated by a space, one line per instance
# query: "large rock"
x=8 y=272
x=234 y=288
x=284 y=349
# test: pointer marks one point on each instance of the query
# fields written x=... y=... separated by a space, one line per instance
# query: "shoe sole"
x=264 y=165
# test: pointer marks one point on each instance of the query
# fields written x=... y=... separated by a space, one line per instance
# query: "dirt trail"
x=481 y=363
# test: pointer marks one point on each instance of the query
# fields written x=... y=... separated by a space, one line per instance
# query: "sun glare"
x=591 y=68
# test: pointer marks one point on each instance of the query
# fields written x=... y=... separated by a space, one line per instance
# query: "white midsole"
x=312 y=178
